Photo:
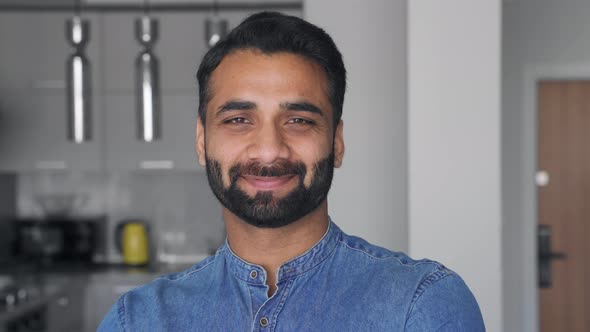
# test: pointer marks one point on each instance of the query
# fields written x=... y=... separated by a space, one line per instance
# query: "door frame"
x=534 y=73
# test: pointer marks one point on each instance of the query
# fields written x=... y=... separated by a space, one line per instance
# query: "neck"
x=271 y=247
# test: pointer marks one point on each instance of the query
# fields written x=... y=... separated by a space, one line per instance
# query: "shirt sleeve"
x=110 y=322
x=443 y=302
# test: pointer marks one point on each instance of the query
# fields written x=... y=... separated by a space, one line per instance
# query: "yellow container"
x=135 y=244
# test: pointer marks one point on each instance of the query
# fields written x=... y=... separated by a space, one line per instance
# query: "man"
x=269 y=134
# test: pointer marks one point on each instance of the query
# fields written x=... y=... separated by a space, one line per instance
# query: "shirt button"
x=253 y=274
x=263 y=321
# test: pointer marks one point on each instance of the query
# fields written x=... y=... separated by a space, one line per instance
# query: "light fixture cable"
x=215 y=7
x=77 y=9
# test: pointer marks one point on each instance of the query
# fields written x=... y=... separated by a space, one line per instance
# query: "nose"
x=268 y=145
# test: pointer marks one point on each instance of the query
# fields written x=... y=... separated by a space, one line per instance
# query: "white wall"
x=536 y=34
x=454 y=142
x=369 y=195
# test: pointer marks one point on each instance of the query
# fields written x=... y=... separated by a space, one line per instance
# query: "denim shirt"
x=342 y=283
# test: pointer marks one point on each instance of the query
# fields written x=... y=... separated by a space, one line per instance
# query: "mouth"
x=268 y=183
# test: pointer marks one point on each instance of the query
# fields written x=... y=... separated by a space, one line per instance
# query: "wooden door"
x=564 y=201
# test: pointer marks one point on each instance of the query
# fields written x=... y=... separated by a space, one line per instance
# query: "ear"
x=339 y=145
x=200 y=141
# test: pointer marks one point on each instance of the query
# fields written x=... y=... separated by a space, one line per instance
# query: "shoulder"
x=391 y=268
x=170 y=285
x=356 y=248
x=444 y=303
x=131 y=307
x=436 y=298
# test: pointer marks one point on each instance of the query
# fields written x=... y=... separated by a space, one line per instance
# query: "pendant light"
x=215 y=27
x=78 y=80
x=147 y=90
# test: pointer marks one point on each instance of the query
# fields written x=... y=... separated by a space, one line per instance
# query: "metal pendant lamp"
x=215 y=27
x=147 y=85
x=79 y=92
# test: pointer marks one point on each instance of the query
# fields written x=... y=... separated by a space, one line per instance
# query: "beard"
x=264 y=210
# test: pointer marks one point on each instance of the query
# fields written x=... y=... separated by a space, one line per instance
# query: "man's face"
x=269 y=144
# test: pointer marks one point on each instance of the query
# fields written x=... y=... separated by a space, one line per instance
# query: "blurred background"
x=465 y=123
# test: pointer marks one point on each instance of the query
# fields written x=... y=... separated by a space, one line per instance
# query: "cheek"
x=311 y=150
x=223 y=158
x=223 y=147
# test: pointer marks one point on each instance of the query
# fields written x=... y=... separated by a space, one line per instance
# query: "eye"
x=236 y=120
x=300 y=121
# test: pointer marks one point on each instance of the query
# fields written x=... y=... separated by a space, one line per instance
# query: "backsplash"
x=183 y=215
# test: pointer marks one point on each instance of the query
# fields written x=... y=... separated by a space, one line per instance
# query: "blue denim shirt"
x=343 y=283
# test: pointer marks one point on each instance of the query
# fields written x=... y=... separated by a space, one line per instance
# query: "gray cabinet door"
x=33 y=135
x=34 y=51
x=176 y=148
x=32 y=94
x=65 y=312
x=179 y=49
x=103 y=292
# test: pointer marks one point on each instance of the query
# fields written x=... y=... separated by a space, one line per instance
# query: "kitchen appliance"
x=131 y=238
x=57 y=240
x=23 y=307
x=55 y=206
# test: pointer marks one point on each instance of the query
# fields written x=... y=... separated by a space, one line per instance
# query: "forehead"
x=247 y=74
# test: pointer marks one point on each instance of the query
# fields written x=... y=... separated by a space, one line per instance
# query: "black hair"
x=273 y=32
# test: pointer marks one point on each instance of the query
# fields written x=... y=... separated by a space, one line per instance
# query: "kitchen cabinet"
x=33 y=135
x=32 y=94
x=179 y=51
x=65 y=312
x=33 y=102
x=176 y=148
x=179 y=48
x=104 y=290
x=34 y=51
x=85 y=298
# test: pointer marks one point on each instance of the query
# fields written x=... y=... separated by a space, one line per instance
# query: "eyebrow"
x=302 y=106
x=236 y=105
x=239 y=105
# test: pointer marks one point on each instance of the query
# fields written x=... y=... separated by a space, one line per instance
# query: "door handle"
x=552 y=255
x=546 y=256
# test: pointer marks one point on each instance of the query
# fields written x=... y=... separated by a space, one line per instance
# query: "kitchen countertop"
x=38 y=294
x=81 y=268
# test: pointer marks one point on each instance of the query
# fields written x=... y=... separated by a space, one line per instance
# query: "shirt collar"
x=255 y=274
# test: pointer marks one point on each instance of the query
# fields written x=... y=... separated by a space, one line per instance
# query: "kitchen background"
x=184 y=215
